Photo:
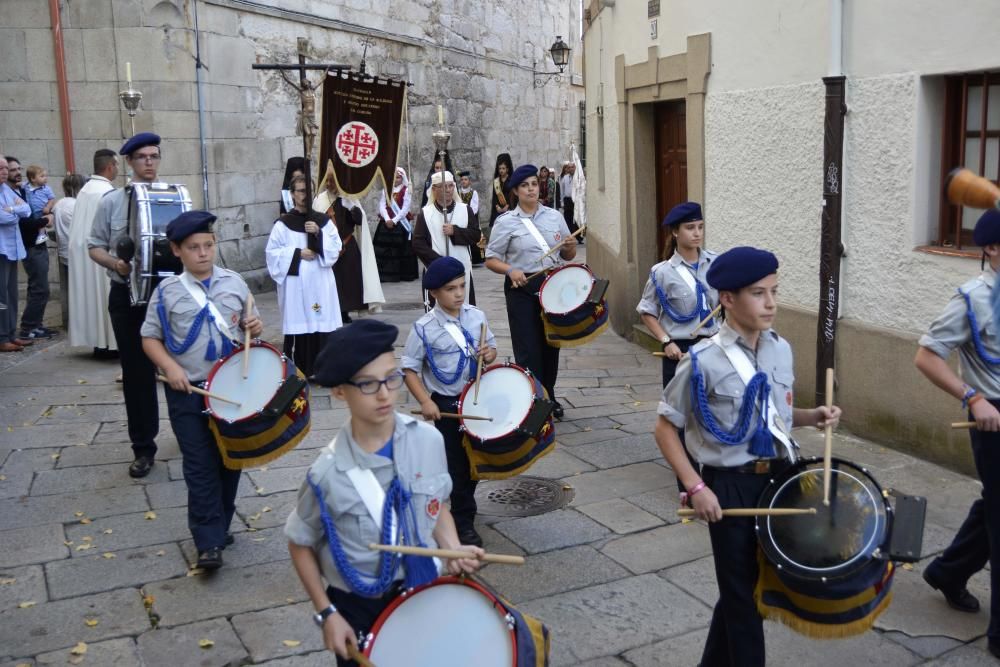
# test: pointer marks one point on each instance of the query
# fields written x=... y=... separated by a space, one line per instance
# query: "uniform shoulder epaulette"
x=973 y=283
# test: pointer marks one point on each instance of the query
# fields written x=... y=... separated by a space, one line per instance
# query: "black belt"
x=758 y=467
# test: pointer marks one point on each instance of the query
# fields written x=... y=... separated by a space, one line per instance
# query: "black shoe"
x=210 y=559
x=958 y=599
x=141 y=466
x=229 y=540
x=470 y=536
x=994 y=649
x=557 y=411
x=104 y=353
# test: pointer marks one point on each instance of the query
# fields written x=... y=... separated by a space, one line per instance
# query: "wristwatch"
x=664 y=341
x=321 y=617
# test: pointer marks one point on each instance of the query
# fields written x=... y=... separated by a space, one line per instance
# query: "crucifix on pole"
x=307 y=98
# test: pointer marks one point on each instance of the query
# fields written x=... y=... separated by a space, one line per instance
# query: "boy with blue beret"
x=383 y=479
x=747 y=361
x=440 y=357
x=191 y=322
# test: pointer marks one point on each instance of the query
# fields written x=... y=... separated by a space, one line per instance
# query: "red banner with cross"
x=360 y=129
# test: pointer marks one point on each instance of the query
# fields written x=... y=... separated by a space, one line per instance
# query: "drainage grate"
x=522 y=496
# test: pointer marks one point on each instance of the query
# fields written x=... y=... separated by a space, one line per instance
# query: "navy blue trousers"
x=142 y=407
x=527 y=333
x=463 y=487
x=211 y=486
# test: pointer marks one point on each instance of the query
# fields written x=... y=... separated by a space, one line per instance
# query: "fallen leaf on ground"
x=265 y=509
x=206 y=643
x=54 y=457
x=907 y=566
x=79 y=649
x=254 y=517
x=290 y=643
x=107 y=531
x=686 y=520
x=26 y=604
x=257 y=539
x=81 y=382
x=68 y=543
x=260 y=490
x=150 y=515
x=91 y=622
x=87 y=538
x=148 y=601
x=587 y=428
x=84 y=547
x=109 y=555
x=77 y=513
x=7 y=580
x=195 y=571
x=3 y=478
x=160 y=552
x=85 y=521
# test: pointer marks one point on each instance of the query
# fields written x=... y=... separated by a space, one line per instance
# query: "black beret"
x=521 y=174
x=689 y=211
x=350 y=348
x=987 y=229
x=739 y=267
x=464 y=173
x=442 y=271
x=138 y=141
x=188 y=223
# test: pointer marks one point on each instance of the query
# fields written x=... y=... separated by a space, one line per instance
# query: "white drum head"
x=566 y=289
x=267 y=370
x=505 y=394
x=445 y=625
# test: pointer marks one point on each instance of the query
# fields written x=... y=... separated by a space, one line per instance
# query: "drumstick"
x=552 y=250
x=756 y=511
x=715 y=311
x=357 y=656
x=828 y=435
x=247 y=311
x=963 y=424
x=479 y=366
x=446 y=553
x=198 y=390
x=455 y=415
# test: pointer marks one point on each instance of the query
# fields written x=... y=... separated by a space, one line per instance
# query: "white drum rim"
x=236 y=357
x=551 y=281
x=471 y=425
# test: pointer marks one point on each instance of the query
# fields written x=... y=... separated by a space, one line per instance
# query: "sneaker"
x=46 y=332
x=34 y=334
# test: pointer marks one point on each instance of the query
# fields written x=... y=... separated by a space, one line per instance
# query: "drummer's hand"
x=337 y=634
x=487 y=354
x=253 y=325
x=986 y=416
x=430 y=410
x=448 y=230
x=469 y=565
x=311 y=227
x=389 y=224
x=569 y=242
x=673 y=352
x=122 y=267
x=706 y=505
x=177 y=379
x=827 y=416
x=307 y=254
x=518 y=278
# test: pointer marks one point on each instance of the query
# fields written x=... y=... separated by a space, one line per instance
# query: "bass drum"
x=151 y=208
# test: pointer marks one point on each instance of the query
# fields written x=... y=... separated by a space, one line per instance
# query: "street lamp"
x=559 y=51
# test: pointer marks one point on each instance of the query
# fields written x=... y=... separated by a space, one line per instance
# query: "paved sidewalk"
x=89 y=555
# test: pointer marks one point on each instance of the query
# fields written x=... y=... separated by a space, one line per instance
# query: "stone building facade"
x=474 y=58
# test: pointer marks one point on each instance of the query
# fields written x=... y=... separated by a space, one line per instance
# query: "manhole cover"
x=522 y=496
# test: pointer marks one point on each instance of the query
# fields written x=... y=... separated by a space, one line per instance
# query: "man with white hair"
x=442 y=229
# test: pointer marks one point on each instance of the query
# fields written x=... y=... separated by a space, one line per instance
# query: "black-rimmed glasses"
x=393 y=382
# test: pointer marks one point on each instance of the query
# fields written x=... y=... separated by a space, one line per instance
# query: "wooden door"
x=671 y=163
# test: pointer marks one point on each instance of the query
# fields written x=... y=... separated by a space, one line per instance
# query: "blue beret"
x=138 y=141
x=521 y=174
x=188 y=223
x=350 y=348
x=740 y=267
x=689 y=211
x=442 y=271
x=987 y=229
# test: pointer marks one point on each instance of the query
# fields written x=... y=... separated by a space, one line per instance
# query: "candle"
x=128 y=73
x=440 y=115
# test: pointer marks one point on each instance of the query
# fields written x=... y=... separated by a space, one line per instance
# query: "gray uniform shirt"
x=443 y=347
x=725 y=389
x=681 y=298
x=952 y=330
x=227 y=291
x=511 y=241
x=111 y=225
x=420 y=462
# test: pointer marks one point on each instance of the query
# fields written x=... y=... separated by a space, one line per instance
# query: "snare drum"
x=151 y=207
x=574 y=310
x=273 y=415
x=827 y=574
x=522 y=429
x=453 y=622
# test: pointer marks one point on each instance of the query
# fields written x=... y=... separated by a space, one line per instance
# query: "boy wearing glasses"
x=383 y=479
x=191 y=323
x=440 y=356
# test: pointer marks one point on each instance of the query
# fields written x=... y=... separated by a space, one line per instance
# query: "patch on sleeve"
x=433 y=508
x=788 y=397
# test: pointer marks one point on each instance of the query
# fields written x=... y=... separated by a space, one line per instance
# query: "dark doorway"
x=671 y=162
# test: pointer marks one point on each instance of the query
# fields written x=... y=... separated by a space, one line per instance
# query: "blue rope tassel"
x=976 y=338
x=757 y=392
x=176 y=348
x=464 y=359
x=699 y=311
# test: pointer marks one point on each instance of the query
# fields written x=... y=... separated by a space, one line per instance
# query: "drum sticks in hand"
x=455 y=415
x=553 y=249
x=202 y=392
x=247 y=312
x=446 y=553
x=755 y=511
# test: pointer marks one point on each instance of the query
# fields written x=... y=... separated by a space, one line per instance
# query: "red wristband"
x=974 y=398
x=695 y=489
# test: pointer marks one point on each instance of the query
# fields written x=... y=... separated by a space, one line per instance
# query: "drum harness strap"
x=539 y=239
x=977 y=340
x=208 y=310
x=701 y=308
x=757 y=398
x=418 y=570
x=457 y=332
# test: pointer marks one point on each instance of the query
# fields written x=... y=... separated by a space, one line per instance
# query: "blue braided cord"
x=168 y=338
x=758 y=389
x=388 y=563
x=463 y=360
x=976 y=339
x=699 y=310
x=995 y=303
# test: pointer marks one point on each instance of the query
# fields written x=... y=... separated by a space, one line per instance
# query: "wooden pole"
x=756 y=511
x=479 y=365
x=828 y=444
x=446 y=553
x=202 y=392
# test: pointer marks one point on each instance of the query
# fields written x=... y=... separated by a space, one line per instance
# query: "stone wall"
x=474 y=58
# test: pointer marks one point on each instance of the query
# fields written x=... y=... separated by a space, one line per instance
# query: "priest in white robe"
x=301 y=252
x=444 y=229
x=89 y=320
